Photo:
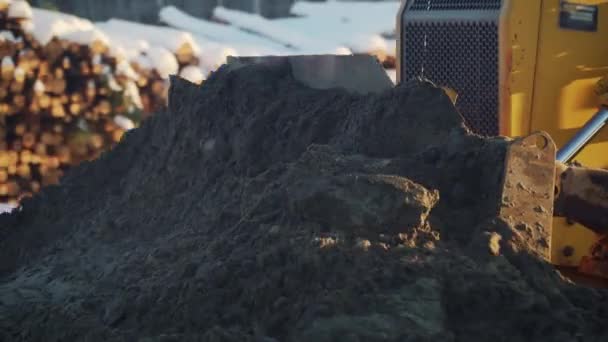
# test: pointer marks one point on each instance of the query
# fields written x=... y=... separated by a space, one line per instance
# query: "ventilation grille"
x=435 y=5
x=463 y=56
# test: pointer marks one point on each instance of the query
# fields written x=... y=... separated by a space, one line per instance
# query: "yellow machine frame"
x=547 y=75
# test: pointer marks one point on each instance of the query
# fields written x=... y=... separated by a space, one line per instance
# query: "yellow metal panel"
x=519 y=28
x=575 y=238
x=569 y=63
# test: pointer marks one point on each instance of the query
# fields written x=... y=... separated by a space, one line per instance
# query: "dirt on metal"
x=257 y=209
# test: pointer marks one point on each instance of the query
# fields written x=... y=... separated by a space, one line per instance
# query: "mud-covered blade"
x=528 y=190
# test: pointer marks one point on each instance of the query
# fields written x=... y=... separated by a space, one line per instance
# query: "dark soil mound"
x=261 y=210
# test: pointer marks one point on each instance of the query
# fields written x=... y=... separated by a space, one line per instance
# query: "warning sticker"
x=578 y=17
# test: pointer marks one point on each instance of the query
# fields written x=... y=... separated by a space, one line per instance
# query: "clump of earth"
x=258 y=209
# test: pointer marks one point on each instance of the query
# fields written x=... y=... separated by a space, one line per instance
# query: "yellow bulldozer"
x=532 y=70
x=520 y=66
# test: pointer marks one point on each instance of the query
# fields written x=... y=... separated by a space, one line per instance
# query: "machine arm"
x=582 y=196
x=582 y=138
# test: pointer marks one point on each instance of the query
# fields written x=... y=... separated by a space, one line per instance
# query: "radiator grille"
x=430 y=5
x=463 y=56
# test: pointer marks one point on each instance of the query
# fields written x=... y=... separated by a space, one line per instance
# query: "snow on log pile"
x=5 y=208
x=153 y=52
x=60 y=98
x=180 y=43
x=69 y=89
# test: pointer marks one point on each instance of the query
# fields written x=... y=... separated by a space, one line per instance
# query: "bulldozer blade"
x=528 y=191
x=360 y=74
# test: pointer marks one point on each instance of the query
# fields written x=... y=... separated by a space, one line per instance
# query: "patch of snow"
x=7 y=35
x=218 y=54
x=392 y=74
x=356 y=25
x=124 y=122
x=39 y=87
x=215 y=54
x=163 y=61
x=143 y=61
x=97 y=59
x=368 y=43
x=123 y=68
x=167 y=37
x=126 y=47
x=121 y=53
x=193 y=74
x=19 y=73
x=86 y=37
x=19 y=9
x=303 y=43
x=49 y=24
x=28 y=26
x=7 y=62
x=243 y=42
x=362 y=16
x=113 y=84
x=106 y=70
x=6 y=208
x=132 y=92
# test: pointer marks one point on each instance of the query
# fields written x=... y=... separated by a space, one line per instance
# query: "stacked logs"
x=61 y=104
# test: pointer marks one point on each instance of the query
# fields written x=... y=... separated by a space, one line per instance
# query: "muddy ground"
x=257 y=209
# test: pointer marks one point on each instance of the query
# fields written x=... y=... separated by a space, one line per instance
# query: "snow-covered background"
x=334 y=27
x=5 y=208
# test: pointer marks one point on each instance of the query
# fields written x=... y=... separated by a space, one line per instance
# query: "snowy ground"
x=320 y=28
x=5 y=208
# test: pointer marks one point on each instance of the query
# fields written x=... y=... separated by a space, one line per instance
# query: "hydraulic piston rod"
x=582 y=137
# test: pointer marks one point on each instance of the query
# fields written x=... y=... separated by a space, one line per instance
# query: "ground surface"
x=260 y=210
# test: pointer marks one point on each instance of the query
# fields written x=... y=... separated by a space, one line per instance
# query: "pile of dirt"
x=258 y=209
